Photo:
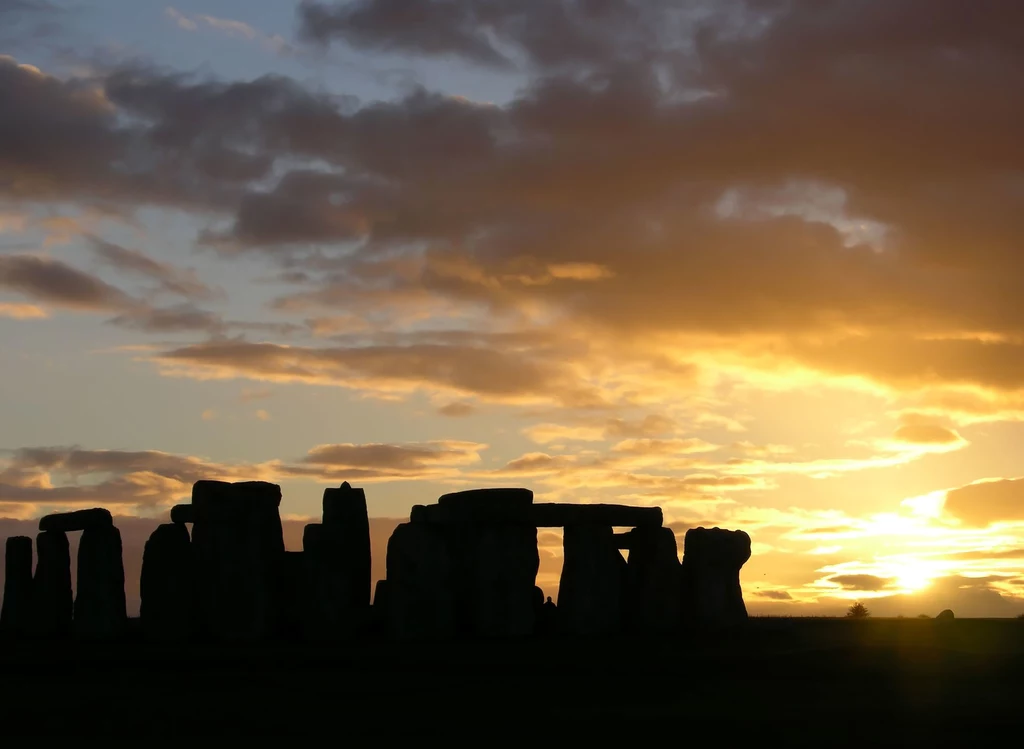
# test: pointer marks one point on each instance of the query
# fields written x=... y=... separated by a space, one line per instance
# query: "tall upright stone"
x=493 y=547
x=238 y=545
x=100 y=611
x=711 y=595
x=496 y=577
x=420 y=592
x=345 y=515
x=333 y=607
x=652 y=581
x=52 y=601
x=167 y=584
x=590 y=594
x=16 y=616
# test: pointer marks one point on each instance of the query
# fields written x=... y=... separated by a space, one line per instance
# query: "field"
x=791 y=681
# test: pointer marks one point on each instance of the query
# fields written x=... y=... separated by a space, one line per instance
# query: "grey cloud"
x=862 y=582
x=182 y=317
x=484 y=371
x=775 y=595
x=457 y=410
x=181 y=282
x=54 y=282
x=395 y=457
x=985 y=502
x=437 y=199
x=545 y=32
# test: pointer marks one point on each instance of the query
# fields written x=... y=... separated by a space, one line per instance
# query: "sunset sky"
x=755 y=262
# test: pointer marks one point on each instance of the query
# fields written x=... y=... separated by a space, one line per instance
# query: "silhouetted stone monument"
x=52 y=602
x=329 y=612
x=420 y=584
x=344 y=511
x=79 y=520
x=99 y=611
x=710 y=592
x=590 y=592
x=167 y=585
x=652 y=580
x=239 y=548
x=16 y=616
x=493 y=548
x=946 y=615
x=503 y=573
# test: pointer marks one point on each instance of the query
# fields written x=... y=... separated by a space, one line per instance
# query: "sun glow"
x=913 y=576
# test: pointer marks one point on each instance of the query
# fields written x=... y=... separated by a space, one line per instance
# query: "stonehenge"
x=167 y=584
x=15 y=618
x=238 y=548
x=100 y=611
x=463 y=567
x=710 y=576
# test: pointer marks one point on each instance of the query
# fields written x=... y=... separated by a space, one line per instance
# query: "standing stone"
x=238 y=544
x=652 y=581
x=711 y=592
x=344 y=513
x=99 y=611
x=502 y=580
x=16 y=617
x=420 y=594
x=493 y=548
x=167 y=584
x=591 y=587
x=334 y=607
x=52 y=602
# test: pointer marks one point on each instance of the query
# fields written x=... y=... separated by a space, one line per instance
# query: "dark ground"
x=821 y=682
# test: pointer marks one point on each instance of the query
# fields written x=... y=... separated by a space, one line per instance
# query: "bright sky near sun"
x=756 y=263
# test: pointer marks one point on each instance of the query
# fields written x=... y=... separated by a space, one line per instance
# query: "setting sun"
x=912 y=577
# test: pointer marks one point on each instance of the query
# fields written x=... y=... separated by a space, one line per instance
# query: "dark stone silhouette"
x=496 y=568
x=183 y=514
x=167 y=585
x=710 y=581
x=946 y=615
x=16 y=617
x=464 y=566
x=347 y=532
x=52 y=602
x=652 y=602
x=239 y=548
x=99 y=611
x=590 y=594
x=420 y=584
x=337 y=600
x=79 y=520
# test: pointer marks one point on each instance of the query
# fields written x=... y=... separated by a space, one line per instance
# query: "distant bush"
x=858 y=611
x=923 y=616
x=1020 y=616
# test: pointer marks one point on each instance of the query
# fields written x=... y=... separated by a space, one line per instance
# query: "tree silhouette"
x=858 y=611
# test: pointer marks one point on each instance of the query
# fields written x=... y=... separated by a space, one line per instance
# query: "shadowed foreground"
x=801 y=680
